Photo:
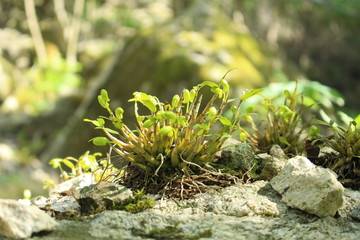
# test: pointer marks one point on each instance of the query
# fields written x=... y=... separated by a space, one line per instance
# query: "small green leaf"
x=95 y=122
x=212 y=112
x=100 y=122
x=225 y=85
x=243 y=137
x=288 y=94
x=192 y=95
x=317 y=121
x=314 y=130
x=68 y=163
x=149 y=123
x=248 y=118
x=175 y=101
x=104 y=95
x=167 y=130
x=249 y=110
x=225 y=121
x=55 y=162
x=102 y=102
x=250 y=93
x=170 y=115
x=111 y=131
x=119 y=112
x=217 y=90
x=234 y=109
x=99 y=141
x=145 y=99
x=284 y=141
x=166 y=115
x=208 y=83
x=186 y=96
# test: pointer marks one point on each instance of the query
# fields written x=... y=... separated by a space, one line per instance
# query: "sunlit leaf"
x=145 y=99
x=225 y=85
x=149 y=123
x=119 y=112
x=192 y=95
x=104 y=95
x=100 y=121
x=250 y=93
x=248 y=118
x=243 y=137
x=167 y=130
x=217 y=90
x=186 y=96
x=102 y=102
x=55 y=162
x=175 y=101
x=68 y=163
x=249 y=110
x=99 y=141
x=225 y=121
x=284 y=141
x=208 y=83
x=111 y=131
x=212 y=112
x=287 y=94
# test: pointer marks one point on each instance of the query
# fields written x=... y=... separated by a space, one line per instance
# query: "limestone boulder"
x=18 y=220
x=310 y=188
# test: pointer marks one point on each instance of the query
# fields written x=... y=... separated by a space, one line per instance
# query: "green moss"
x=139 y=203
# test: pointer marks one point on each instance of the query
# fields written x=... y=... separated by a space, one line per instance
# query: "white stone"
x=309 y=188
x=73 y=184
x=65 y=204
x=18 y=220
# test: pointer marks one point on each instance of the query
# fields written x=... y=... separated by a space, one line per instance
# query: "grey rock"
x=101 y=196
x=351 y=204
x=237 y=155
x=72 y=184
x=271 y=165
x=355 y=214
x=65 y=204
x=18 y=220
x=277 y=152
x=309 y=188
x=39 y=201
x=236 y=212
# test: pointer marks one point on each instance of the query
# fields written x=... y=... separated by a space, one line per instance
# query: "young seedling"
x=87 y=163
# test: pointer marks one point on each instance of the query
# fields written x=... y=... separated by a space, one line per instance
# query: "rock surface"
x=248 y=211
x=101 y=196
x=237 y=155
x=272 y=164
x=18 y=220
x=308 y=187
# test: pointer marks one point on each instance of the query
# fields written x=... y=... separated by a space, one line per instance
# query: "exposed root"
x=181 y=184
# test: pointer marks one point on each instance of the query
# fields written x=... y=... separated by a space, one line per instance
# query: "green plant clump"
x=172 y=137
x=346 y=142
x=87 y=163
x=283 y=125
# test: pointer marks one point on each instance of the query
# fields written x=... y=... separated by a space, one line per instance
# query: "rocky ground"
x=300 y=201
x=249 y=211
